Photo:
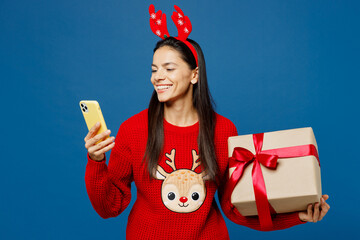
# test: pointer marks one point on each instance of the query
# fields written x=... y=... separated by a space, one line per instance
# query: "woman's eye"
x=153 y=70
x=170 y=69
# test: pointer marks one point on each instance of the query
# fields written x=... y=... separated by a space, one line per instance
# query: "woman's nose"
x=159 y=75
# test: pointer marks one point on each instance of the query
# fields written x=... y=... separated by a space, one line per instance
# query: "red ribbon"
x=242 y=157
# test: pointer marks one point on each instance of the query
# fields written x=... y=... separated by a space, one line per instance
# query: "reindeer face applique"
x=182 y=190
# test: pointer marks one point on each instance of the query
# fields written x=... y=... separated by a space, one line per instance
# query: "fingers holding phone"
x=93 y=131
x=98 y=144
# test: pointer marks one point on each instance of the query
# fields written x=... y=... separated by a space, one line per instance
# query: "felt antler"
x=158 y=23
x=182 y=23
x=184 y=28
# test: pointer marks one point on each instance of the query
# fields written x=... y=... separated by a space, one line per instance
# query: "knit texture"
x=179 y=204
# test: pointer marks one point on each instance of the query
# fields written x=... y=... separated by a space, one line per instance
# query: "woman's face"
x=171 y=76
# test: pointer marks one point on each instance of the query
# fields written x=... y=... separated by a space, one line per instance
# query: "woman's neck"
x=180 y=114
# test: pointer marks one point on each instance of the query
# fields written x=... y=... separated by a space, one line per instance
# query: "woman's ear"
x=195 y=75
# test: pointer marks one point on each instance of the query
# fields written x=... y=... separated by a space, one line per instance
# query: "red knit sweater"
x=180 y=203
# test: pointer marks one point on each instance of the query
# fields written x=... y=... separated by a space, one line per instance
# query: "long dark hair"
x=203 y=103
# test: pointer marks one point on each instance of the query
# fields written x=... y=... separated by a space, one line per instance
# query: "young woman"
x=175 y=151
x=161 y=149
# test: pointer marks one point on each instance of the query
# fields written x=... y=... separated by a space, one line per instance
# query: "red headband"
x=182 y=22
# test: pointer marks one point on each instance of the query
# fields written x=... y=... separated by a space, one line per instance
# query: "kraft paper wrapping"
x=294 y=184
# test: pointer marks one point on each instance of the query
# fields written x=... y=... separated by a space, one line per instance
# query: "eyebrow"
x=165 y=64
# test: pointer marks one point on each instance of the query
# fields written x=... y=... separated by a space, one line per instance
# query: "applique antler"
x=195 y=158
x=158 y=22
x=171 y=157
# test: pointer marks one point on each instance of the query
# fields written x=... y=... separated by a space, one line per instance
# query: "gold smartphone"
x=92 y=114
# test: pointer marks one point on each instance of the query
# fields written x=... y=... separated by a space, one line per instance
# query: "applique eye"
x=195 y=196
x=171 y=196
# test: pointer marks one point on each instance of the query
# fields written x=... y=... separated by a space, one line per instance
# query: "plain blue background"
x=272 y=65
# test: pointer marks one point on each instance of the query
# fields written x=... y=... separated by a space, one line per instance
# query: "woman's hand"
x=315 y=212
x=97 y=151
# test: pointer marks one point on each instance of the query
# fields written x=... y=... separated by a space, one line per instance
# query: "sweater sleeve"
x=108 y=186
x=280 y=221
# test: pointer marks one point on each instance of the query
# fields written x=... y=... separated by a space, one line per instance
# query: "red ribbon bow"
x=242 y=157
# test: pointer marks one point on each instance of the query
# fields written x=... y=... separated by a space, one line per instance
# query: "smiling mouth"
x=183 y=205
x=163 y=88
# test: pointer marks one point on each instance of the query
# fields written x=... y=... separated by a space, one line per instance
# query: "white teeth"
x=163 y=87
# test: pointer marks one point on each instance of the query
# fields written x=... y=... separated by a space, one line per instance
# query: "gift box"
x=288 y=163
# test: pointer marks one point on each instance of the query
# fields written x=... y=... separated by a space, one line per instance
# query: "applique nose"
x=183 y=199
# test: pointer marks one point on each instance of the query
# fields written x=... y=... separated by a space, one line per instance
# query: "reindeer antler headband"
x=182 y=22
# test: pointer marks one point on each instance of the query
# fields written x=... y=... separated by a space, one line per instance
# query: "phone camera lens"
x=84 y=108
